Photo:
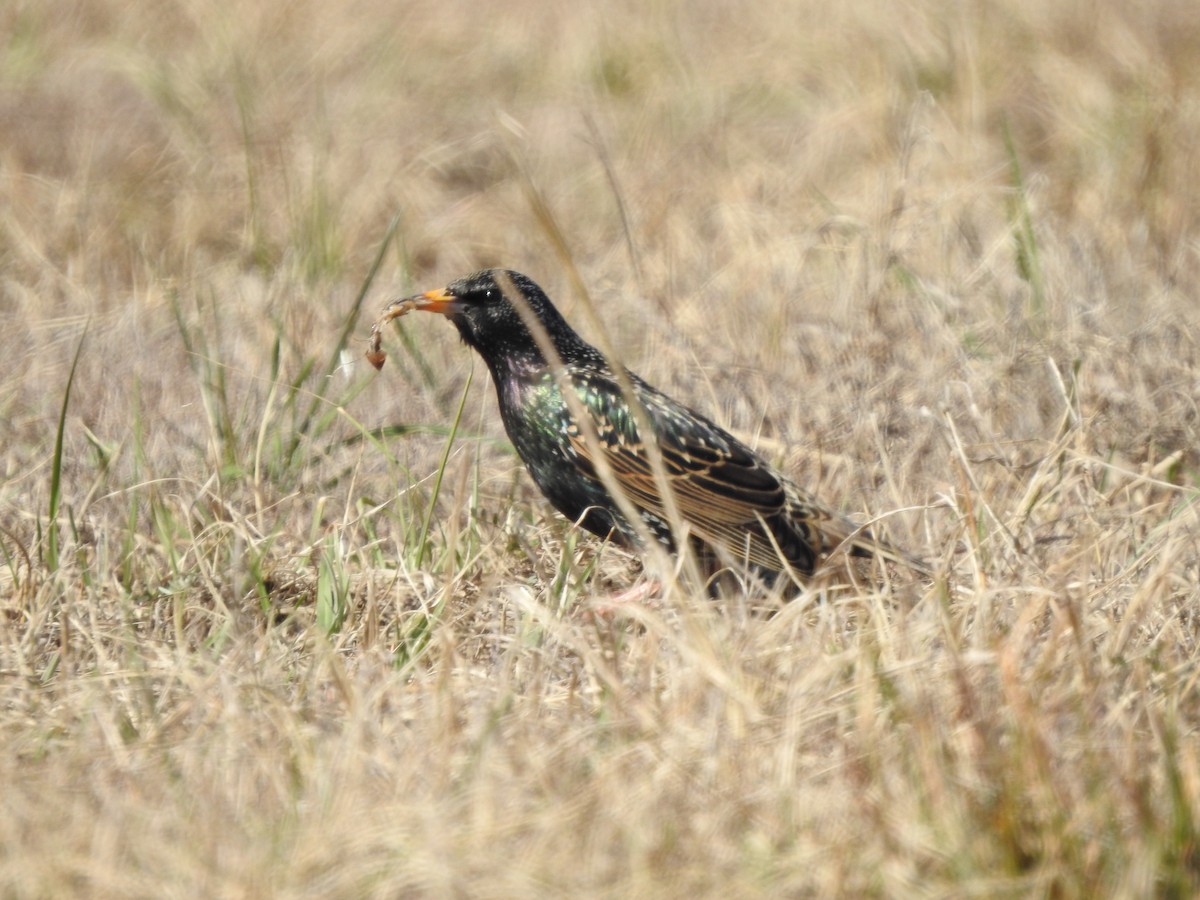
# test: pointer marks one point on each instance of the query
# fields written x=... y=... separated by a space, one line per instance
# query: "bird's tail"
x=862 y=543
x=831 y=533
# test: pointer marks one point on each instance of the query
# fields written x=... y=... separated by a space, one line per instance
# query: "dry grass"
x=927 y=255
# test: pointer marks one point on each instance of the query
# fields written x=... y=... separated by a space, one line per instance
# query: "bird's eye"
x=489 y=295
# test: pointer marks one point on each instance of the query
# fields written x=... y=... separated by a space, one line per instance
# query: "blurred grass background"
x=931 y=257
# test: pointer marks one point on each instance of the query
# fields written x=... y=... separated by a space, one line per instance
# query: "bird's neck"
x=523 y=358
x=519 y=367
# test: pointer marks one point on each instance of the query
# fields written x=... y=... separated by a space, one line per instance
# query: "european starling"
x=736 y=508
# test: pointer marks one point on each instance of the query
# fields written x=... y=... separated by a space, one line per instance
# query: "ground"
x=272 y=623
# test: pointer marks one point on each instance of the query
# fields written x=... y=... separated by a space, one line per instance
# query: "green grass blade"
x=423 y=542
x=56 y=464
x=1029 y=260
x=335 y=354
x=332 y=590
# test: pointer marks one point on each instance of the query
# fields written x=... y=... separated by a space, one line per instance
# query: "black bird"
x=736 y=507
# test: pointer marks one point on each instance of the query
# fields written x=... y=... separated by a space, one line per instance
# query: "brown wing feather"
x=724 y=492
x=728 y=496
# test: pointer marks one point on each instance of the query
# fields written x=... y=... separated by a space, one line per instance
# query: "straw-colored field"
x=272 y=624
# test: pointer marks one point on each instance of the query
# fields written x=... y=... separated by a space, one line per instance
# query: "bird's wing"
x=728 y=496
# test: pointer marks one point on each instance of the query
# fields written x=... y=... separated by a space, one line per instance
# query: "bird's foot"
x=639 y=593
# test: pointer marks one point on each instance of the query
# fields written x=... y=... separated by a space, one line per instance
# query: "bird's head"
x=484 y=309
